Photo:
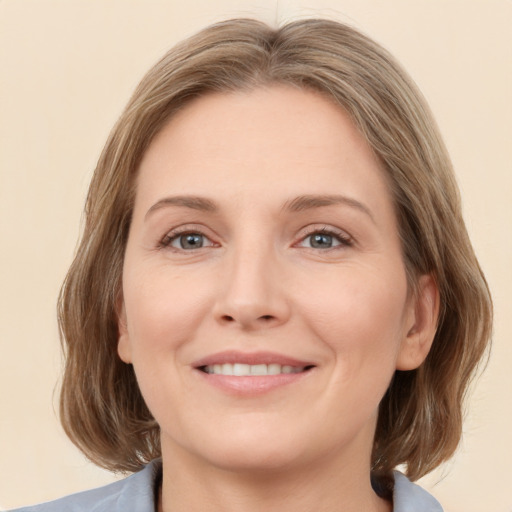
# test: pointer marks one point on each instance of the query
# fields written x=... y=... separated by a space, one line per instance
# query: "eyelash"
x=344 y=239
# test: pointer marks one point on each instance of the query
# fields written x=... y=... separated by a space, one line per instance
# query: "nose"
x=252 y=294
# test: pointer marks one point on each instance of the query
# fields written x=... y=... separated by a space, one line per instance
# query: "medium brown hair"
x=420 y=416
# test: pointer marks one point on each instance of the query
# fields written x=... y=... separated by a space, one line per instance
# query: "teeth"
x=273 y=369
x=259 y=369
x=242 y=370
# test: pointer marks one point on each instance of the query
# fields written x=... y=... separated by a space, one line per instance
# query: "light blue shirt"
x=137 y=494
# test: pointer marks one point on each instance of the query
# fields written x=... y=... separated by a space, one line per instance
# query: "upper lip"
x=251 y=358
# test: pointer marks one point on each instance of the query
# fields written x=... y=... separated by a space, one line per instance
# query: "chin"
x=255 y=459
x=246 y=449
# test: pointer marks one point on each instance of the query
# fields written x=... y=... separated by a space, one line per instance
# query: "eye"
x=325 y=239
x=186 y=241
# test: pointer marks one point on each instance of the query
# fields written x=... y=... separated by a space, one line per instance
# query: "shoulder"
x=408 y=497
x=135 y=492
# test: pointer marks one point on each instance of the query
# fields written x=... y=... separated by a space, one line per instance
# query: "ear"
x=421 y=324
x=124 y=348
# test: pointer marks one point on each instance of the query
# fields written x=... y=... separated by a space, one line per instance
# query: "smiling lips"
x=241 y=373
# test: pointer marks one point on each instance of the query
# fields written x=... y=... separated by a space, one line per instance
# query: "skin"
x=260 y=283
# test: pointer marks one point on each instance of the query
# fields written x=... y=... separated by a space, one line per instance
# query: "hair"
x=420 y=417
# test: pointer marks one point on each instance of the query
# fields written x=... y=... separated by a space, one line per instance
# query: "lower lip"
x=252 y=385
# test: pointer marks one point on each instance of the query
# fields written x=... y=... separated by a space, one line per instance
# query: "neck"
x=323 y=487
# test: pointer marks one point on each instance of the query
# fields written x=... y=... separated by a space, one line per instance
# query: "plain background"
x=66 y=70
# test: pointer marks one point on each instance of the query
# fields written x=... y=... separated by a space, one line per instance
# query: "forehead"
x=257 y=144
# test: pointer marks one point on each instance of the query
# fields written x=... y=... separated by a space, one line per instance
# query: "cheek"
x=163 y=309
x=164 y=312
x=359 y=315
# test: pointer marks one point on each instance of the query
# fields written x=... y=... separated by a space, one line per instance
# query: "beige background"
x=66 y=70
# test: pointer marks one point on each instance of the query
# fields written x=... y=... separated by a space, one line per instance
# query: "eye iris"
x=191 y=241
x=321 y=241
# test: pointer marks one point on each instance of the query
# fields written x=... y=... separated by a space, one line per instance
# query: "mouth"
x=248 y=374
x=244 y=370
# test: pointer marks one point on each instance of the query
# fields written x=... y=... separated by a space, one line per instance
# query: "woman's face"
x=264 y=241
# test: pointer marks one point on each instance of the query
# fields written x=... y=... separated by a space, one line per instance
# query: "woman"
x=275 y=301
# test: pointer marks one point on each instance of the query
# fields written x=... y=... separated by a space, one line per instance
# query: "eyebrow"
x=193 y=202
x=308 y=202
x=298 y=204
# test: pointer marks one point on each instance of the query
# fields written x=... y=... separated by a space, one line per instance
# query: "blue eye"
x=325 y=240
x=321 y=241
x=186 y=241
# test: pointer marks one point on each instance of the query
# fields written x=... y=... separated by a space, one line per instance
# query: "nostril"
x=248 y=320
